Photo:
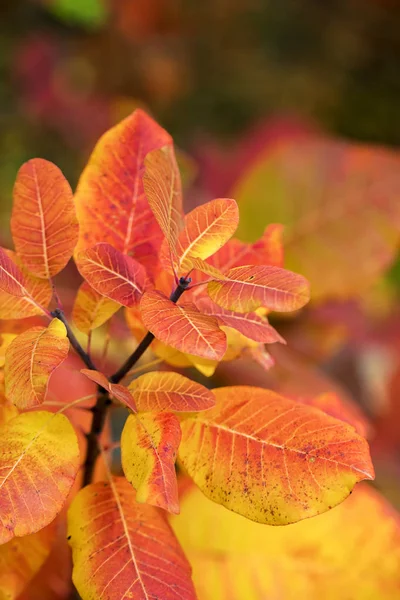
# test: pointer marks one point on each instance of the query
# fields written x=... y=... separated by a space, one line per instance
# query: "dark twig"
x=58 y=314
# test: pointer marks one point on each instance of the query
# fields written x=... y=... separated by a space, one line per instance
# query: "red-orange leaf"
x=11 y=277
x=110 y=200
x=271 y=459
x=249 y=324
x=30 y=360
x=162 y=185
x=122 y=549
x=149 y=444
x=118 y=391
x=182 y=327
x=43 y=223
x=165 y=390
x=39 y=460
x=250 y=287
x=33 y=296
x=112 y=274
x=91 y=309
x=207 y=228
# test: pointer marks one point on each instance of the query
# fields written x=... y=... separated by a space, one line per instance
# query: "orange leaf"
x=112 y=274
x=165 y=390
x=162 y=185
x=271 y=459
x=91 y=309
x=21 y=558
x=182 y=327
x=44 y=446
x=249 y=324
x=352 y=552
x=250 y=287
x=110 y=200
x=29 y=294
x=118 y=391
x=207 y=228
x=149 y=443
x=30 y=360
x=124 y=549
x=43 y=223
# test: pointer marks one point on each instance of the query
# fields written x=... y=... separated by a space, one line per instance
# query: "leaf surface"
x=43 y=222
x=249 y=324
x=339 y=205
x=110 y=200
x=118 y=391
x=121 y=547
x=149 y=445
x=30 y=360
x=182 y=326
x=21 y=559
x=39 y=460
x=11 y=278
x=249 y=287
x=352 y=551
x=271 y=459
x=207 y=228
x=112 y=274
x=91 y=309
x=163 y=189
x=165 y=390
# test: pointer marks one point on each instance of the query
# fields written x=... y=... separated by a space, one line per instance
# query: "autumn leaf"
x=118 y=391
x=30 y=360
x=21 y=294
x=165 y=390
x=207 y=228
x=249 y=287
x=271 y=459
x=339 y=205
x=182 y=327
x=110 y=201
x=352 y=551
x=124 y=549
x=149 y=444
x=91 y=309
x=43 y=223
x=21 y=559
x=249 y=324
x=39 y=460
x=112 y=274
x=162 y=185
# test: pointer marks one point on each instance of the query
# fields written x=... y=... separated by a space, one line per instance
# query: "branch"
x=58 y=314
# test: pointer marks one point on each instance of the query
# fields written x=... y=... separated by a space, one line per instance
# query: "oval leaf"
x=207 y=228
x=271 y=459
x=43 y=223
x=123 y=549
x=182 y=327
x=149 y=444
x=112 y=274
x=30 y=360
x=44 y=446
x=249 y=287
x=91 y=309
x=162 y=185
x=31 y=294
x=118 y=391
x=165 y=390
x=110 y=200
